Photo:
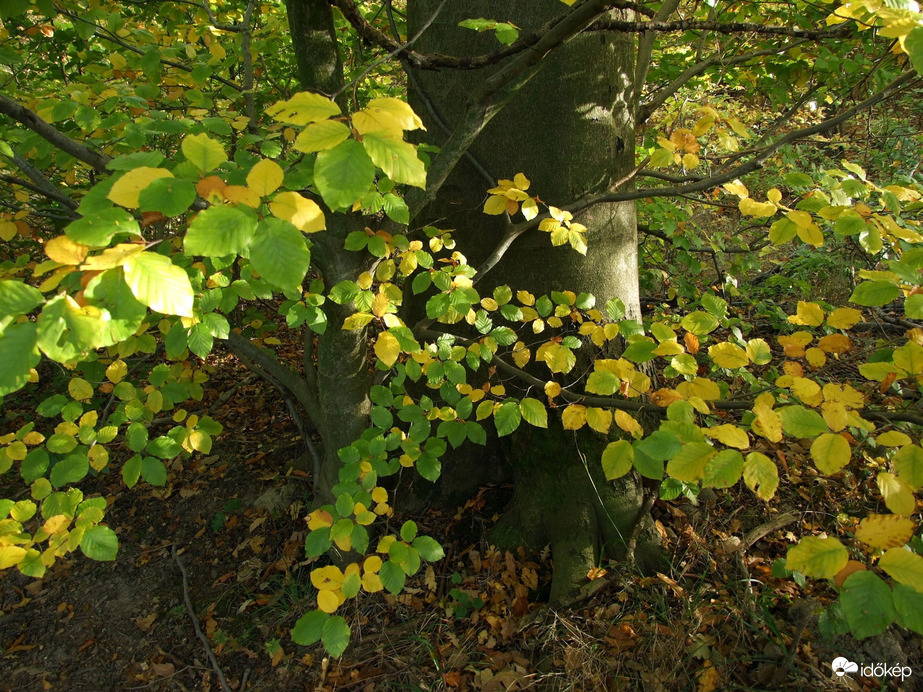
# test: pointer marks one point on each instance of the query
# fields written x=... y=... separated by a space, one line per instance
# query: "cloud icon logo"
x=841 y=666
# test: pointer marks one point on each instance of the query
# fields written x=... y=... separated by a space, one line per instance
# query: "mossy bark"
x=571 y=131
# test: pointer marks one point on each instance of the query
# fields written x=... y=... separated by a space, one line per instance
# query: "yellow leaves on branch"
x=265 y=177
x=304 y=214
x=884 y=531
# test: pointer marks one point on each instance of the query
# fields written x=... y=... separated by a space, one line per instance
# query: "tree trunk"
x=570 y=130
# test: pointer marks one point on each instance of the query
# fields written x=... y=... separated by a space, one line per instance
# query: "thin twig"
x=195 y=623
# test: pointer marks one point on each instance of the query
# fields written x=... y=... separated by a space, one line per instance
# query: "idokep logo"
x=842 y=666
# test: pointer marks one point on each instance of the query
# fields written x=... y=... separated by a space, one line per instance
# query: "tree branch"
x=646 y=46
x=31 y=120
x=664 y=93
x=51 y=192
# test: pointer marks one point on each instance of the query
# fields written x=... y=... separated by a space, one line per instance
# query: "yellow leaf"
x=737 y=188
x=574 y=417
x=599 y=419
x=387 y=348
x=815 y=357
x=126 y=189
x=11 y=555
x=65 y=251
x=301 y=212
x=624 y=420
x=885 y=531
x=811 y=235
x=750 y=207
x=265 y=177
x=835 y=414
x=758 y=351
x=552 y=389
x=802 y=219
x=761 y=475
x=388 y=115
x=835 y=343
x=112 y=257
x=7 y=230
x=98 y=456
x=767 y=423
x=116 y=371
x=844 y=318
x=327 y=601
x=701 y=388
x=807 y=390
x=495 y=205
x=321 y=136
x=521 y=354
x=830 y=453
x=521 y=181
x=808 y=314
x=303 y=108
x=728 y=355
x=238 y=194
x=80 y=389
x=690 y=161
x=371 y=582
x=897 y=494
x=729 y=434
x=893 y=438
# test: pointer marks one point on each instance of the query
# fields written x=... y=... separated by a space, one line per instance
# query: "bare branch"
x=839 y=31
x=646 y=45
x=31 y=120
x=51 y=192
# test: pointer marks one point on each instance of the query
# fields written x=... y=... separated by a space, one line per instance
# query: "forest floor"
x=234 y=521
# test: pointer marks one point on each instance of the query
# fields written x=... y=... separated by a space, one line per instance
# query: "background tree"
x=212 y=221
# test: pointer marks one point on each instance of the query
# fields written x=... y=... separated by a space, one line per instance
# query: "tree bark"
x=571 y=131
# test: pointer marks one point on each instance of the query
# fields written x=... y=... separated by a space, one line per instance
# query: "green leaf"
x=699 y=323
x=875 y=293
x=137 y=436
x=66 y=331
x=100 y=543
x=800 y=422
x=154 y=471
x=99 y=228
x=310 y=627
x=164 y=447
x=817 y=557
x=109 y=290
x=203 y=152
x=396 y=158
x=34 y=465
x=723 y=470
x=909 y=606
x=602 y=382
x=688 y=465
x=70 y=469
x=534 y=412
x=396 y=208
x=507 y=418
x=220 y=231
x=908 y=462
x=392 y=576
x=18 y=353
x=199 y=339
x=158 y=283
x=169 y=196
x=17 y=298
x=343 y=174
x=913 y=44
x=131 y=471
x=335 y=636
x=429 y=548
x=322 y=135
x=867 y=604
x=641 y=350
x=618 y=458
x=659 y=445
x=317 y=542
x=279 y=254
x=647 y=466
x=904 y=567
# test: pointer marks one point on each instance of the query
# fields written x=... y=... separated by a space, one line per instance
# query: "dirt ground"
x=475 y=620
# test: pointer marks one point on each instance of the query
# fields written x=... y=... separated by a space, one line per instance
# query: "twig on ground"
x=195 y=624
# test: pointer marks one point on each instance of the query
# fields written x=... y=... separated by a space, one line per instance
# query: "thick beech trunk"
x=570 y=131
